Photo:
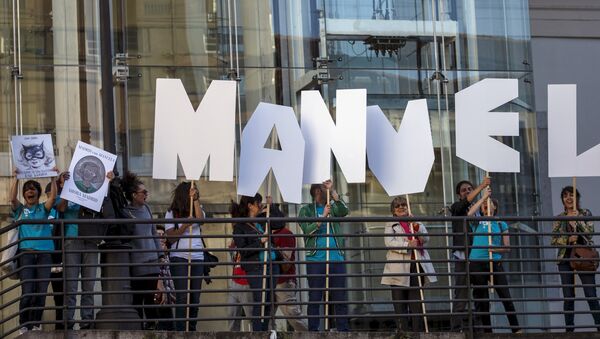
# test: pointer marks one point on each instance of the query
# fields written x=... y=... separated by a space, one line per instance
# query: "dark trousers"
x=256 y=283
x=57 y=288
x=481 y=292
x=179 y=273
x=408 y=301
x=316 y=283
x=145 y=299
x=567 y=277
x=461 y=294
x=30 y=262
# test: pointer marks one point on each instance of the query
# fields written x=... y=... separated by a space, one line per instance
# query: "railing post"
x=64 y=279
x=468 y=271
x=270 y=273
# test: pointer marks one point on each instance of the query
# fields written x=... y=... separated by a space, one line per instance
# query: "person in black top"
x=466 y=195
x=250 y=240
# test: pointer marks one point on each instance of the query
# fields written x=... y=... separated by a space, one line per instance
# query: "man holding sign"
x=316 y=244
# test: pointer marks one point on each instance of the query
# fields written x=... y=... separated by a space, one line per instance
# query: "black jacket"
x=250 y=246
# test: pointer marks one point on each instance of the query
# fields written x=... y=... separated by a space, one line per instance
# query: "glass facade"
x=399 y=50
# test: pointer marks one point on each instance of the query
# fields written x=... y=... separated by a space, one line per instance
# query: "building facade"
x=86 y=70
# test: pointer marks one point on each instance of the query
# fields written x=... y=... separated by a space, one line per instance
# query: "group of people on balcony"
x=179 y=271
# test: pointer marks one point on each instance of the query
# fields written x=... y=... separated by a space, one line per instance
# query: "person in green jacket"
x=316 y=245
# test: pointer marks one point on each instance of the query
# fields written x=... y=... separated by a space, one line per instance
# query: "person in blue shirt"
x=316 y=255
x=56 y=272
x=35 y=259
x=479 y=266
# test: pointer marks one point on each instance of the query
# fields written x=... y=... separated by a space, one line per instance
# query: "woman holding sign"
x=405 y=289
x=35 y=260
x=144 y=264
x=250 y=241
x=185 y=250
x=480 y=262
x=582 y=232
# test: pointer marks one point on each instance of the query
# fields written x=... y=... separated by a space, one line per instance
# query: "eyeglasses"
x=403 y=205
x=144 y=192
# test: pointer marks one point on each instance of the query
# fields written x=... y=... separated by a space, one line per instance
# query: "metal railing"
x=530 y=270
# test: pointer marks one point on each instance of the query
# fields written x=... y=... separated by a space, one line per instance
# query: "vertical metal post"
x=468 y=287
x=106 y=53
x=64 y=279
x=271 y=282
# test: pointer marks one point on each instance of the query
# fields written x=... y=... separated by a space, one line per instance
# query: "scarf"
x=406 y=227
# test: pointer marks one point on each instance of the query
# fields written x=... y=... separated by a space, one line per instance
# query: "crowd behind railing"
x=153 y=271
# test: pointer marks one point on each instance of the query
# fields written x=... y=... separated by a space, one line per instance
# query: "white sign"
x=88 y=183
x=256 y=161
x=402 y=160
x=194 y=136
x=475 y=125
x=346 y=138
x=33 y=156
x=563 y=160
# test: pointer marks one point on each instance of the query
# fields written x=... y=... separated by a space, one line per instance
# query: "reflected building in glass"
x=86 y=70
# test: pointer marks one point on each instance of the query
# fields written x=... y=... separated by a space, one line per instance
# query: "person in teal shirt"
x=316 y=254
x=482 y=255
x=35 y=259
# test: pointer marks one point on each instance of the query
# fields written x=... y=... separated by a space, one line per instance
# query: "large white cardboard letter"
x=402 y=160
x=346 y=137
x=563 y=160
x=194 y=136
x=475 y=124
x=256 y=161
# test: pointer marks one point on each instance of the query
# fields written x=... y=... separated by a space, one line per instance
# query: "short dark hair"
x=33 y=184
x=314 y=188
x=160 y=227
x=569 y=189
x=460 y=183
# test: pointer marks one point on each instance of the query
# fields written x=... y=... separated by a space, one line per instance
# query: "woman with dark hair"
x=480 y=256
x=250 y=240
x=567 y=233
x=186 y=245
x=35 y=259
x=405 y=294
x=144 y=264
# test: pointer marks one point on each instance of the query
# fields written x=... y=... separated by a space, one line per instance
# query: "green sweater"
x=338 y=209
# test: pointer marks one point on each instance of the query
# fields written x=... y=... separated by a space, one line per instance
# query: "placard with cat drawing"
x=88 y=183
x=33 y=156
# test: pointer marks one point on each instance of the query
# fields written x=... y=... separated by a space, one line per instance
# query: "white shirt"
x=184 y=242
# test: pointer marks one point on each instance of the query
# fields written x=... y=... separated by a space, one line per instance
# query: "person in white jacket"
x=405 y=288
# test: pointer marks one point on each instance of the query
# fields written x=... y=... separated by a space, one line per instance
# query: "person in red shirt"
x=239 y=295
x=285 y=292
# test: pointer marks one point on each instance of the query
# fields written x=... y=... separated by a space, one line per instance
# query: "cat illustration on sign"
x=36 y=157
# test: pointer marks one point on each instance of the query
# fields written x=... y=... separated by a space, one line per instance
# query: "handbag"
x=9 y=268
x=584 y=258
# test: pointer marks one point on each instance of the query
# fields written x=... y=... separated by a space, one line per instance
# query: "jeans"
x=57 y=289
x=27 y=316
x=74 y=267
x=256 y=283
x=461 y=293
x=567 y=277
x=408 y=301
x=337 y=279
x=481 y=291
x=179 y=273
